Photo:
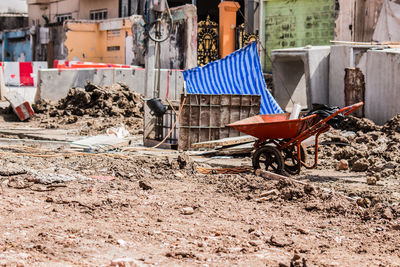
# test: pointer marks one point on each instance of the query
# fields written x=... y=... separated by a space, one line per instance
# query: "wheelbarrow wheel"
x=292 y=165
x=268 y=158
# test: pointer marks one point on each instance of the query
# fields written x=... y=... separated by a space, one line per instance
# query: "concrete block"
x=171 y=82
x=11 y=73
x=27 y=92
x=22 y=73
x=20 y=106
x=36 y=67
x=134 y=78
x=344 y=56
x=2 y=86
x=54 y=84
x=301 y=74
x=382 y=92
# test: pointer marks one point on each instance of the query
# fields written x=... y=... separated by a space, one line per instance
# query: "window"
x=113 y=33
x=98 y=14
x=63 y=17
x=113 y=48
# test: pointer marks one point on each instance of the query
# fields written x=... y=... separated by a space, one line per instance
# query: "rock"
x=343 y=165
x=302 y=231
x=363 y=202
x=309 y=189
x=371 y=181
x=311 y=206
x=396 y=227
x=267 y=198
x=122 y=242
x=179 y=175
x=298 y=261
x=378 y=176
x=272 y=192
x=387 y=213
x=145 y=186
x=187 y=211
x=123 y=262
x=255 y=243
x=184 y=161
x=361 y=165
x=280 y=241
x=180 y=255
x=12 y=171
x=390 y=165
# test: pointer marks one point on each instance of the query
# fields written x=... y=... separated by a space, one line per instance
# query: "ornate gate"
x=243 y=38
x=207 y=42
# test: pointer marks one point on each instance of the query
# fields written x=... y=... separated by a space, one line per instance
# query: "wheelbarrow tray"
x=274 y=126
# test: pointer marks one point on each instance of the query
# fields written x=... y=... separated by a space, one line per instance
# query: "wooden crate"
x=204 y=117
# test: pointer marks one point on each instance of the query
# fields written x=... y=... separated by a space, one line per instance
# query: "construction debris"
x=368 y=148
x=20 y=106
x=95 y=101
x=225 y=142
x=94 y=109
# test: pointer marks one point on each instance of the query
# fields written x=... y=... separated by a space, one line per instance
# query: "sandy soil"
x=123 y=209
x=185 y=218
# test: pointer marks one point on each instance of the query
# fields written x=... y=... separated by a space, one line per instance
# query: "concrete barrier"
x=54 y=84
x=22 y=73
x=301 y=75
x=67 y=64
x=2 y=86
x=382 y=92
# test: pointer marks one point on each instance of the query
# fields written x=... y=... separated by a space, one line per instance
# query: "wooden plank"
x=42 y=134
x=234 y=151
x=366 y=16
x=225 y=142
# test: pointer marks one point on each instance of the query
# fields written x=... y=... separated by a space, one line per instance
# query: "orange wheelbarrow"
x=279 y=147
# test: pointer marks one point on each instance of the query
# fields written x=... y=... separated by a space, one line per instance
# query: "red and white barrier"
x=22 y=73
x=66 y=64
x=21 y=107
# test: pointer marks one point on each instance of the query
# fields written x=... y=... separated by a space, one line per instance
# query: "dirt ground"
x=161 y=211
x=65 y=208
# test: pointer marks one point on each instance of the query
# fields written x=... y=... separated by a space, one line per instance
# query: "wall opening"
x=290 y=82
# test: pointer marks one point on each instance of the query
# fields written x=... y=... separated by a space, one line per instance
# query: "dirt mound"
x=355 y=124
x=393 y=125
x=96 y=101
x=310 y=198
x=93 y=109
x=366 y=147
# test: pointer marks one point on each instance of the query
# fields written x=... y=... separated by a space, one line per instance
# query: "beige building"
x=42 y=12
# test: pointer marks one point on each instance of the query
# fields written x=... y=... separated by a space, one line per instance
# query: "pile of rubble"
x=94 y=109
x=96 y=101
x=363 y=146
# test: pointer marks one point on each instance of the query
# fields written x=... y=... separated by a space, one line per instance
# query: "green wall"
x=296 y=23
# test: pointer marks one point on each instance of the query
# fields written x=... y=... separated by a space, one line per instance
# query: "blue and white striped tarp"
x=237 y=73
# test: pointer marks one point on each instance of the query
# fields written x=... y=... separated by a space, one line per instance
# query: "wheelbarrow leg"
x=315 y=150
x=293 y=157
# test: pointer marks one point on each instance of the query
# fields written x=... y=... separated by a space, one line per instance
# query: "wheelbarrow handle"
x=346 y=111
x=349 y=109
